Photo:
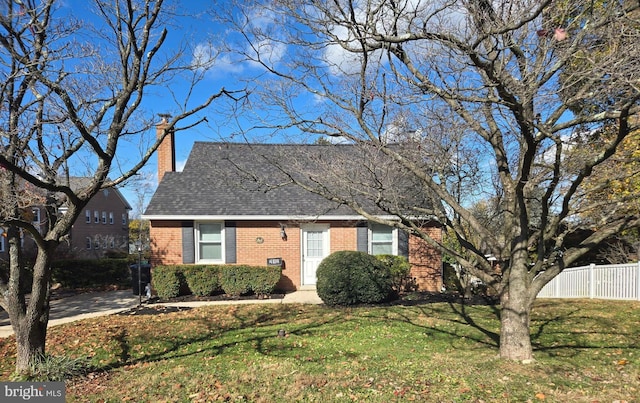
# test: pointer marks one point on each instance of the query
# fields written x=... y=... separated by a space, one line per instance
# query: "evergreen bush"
x=168 y=281
x=236 y=280
x=350 y=277
x=400 y=270
x=91 y=273
x=265 y=279
x=202 y=280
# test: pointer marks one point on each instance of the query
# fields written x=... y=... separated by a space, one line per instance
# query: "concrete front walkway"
x=92 y=304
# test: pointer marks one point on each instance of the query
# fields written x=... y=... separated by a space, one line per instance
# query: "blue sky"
x=195 y=31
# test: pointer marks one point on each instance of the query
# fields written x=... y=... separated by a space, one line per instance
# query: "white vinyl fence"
x=612 y=281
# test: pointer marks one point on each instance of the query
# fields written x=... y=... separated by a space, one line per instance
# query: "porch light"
x=283 y=233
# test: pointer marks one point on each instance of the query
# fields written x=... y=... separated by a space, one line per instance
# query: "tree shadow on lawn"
x=571 y=332
x=563 y=331
x=263 y=325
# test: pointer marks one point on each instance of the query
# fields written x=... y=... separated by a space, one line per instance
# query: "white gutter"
x=262 y=217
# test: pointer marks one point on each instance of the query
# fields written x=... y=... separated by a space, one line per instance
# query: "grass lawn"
x=585 y=350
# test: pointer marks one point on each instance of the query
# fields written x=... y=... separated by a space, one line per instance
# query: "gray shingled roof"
x=231 y=179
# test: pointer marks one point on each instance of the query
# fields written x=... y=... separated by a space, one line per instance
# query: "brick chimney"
x=166 y=150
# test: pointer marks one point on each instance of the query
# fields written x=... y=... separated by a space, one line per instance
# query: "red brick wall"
x=166 y=242
x=250 y=251
x=257 y=241
x=426 y=262
x=166 y=151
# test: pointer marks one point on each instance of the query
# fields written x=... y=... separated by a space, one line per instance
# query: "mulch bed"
x=152 y=310
x=146 y=309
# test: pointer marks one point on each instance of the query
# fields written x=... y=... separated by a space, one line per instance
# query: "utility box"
x=145 y=278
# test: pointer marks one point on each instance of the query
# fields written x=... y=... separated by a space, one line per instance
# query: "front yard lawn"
x=586 y=351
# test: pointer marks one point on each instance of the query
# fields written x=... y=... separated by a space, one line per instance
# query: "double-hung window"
x=209 y=237
x=382 y=240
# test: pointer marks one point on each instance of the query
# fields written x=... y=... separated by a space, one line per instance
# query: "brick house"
x=102 y=230
x=233 y=204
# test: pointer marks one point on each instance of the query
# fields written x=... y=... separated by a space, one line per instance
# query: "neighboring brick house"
x=102 y=230
x=229 y=206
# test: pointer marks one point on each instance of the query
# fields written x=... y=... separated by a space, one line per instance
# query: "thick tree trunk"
x=29 y=316
x=515 y=335
x=515 y=313
x=31 y=335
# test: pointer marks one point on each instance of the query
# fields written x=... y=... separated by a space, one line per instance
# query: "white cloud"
x=207 y=57
x=269 y=52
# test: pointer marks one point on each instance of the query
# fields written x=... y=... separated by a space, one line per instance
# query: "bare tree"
x=478 y=84
x=71 y=101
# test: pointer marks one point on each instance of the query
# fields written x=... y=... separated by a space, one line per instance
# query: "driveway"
x=80 y=306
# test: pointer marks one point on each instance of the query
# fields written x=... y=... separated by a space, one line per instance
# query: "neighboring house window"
x=382 y=240
x=96 y=217
x=124 y=219
x=87 y=215
x=111 y=217
x=113 y=243
x=209 y=238
x=104 y=217
x=88 y=240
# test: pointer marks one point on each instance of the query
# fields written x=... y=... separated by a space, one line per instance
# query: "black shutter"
x=188 y=243
x=362 y=242
x=403 y=243
x=230 y=242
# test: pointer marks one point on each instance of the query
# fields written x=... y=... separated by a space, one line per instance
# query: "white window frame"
x=111 y=217
x=197 y=242
x=96 y=217
x=124 y=218
x=87 y=214
x=394 y=238
x=104 y=217
x=88 y=242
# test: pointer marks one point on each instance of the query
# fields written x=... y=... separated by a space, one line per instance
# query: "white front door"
x=315 y=247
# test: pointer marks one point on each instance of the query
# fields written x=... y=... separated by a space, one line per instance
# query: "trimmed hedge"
x=350 y=277
x=240 y=280
x=203 y=280
x=168 y=281
x=264 y=279
x=236 y=280
x=91 y=273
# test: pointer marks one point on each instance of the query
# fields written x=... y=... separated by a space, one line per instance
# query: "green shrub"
x=91 y=273
x=202 y=280
x=264 y=279
x=350 y=277
x=49 y=368
x=168 y=281
x=450 y=279
x=400 y=270
x=236 y=280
